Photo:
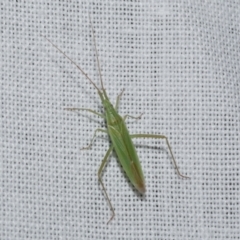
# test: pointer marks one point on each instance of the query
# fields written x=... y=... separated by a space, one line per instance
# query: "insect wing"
x=127 y=154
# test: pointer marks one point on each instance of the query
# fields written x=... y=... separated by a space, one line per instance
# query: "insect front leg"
x=85 y=109
x=169 y=147
x=100 y=180
x=94 y=136
x=118 y=99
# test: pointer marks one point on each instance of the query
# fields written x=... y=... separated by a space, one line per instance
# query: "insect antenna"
x=74 y=63
x=95 y=47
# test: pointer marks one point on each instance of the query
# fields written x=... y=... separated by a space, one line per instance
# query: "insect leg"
x=126 y=116
x=100 y=180
x=94 y=136
x=85 y=109
x=118 y=99
x=169 y=147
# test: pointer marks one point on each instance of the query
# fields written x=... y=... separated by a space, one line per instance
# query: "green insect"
x=121 y=139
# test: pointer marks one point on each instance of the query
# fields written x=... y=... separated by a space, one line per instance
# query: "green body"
x=123 y=144
x=120 y=137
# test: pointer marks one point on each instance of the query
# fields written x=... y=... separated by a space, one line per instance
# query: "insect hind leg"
x=101 y=182
x=168 y=144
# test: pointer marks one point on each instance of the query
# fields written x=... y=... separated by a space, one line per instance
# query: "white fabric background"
x=179 y=64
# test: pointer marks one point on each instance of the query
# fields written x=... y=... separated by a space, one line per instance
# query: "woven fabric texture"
x=178 y=62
